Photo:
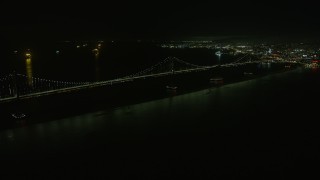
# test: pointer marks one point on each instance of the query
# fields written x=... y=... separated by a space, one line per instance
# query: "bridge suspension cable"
x=13 y=84
x=189 y=64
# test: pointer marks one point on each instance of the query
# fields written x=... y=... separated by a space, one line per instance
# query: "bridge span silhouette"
x=14 y=86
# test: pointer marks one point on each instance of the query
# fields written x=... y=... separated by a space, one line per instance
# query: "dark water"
x=79 y=61
x=260 y=129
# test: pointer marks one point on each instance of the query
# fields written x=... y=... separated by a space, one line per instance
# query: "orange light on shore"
x=28 y=55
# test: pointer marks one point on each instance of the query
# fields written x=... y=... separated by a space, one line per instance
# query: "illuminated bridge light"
x=40 y=87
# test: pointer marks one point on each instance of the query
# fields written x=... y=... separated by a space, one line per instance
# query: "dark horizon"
x=157 y=20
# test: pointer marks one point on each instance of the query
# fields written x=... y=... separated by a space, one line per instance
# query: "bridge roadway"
x=100 y=83
x=126 y=79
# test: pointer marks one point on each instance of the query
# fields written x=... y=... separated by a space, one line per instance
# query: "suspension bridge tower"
x=171 y=85
x=218 y=54
x=217 y=79
x=172 y=65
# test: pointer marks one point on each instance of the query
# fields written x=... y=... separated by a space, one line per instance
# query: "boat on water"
x=172 y=87
x=217 y=80
x=248 y=73
x=18 y=115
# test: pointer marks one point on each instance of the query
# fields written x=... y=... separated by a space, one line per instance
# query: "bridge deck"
x=130 y=78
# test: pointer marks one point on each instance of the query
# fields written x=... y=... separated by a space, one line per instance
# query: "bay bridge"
x=14 y=86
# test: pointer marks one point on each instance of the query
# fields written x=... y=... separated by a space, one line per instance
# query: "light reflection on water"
x=143 y=113
x=193 y=112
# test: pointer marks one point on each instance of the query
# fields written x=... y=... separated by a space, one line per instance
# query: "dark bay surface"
x=95 y=61
x=262 y=128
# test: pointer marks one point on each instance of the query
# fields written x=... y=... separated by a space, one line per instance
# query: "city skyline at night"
x=159 y=89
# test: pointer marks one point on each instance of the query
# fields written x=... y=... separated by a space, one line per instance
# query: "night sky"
x=156 y=19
